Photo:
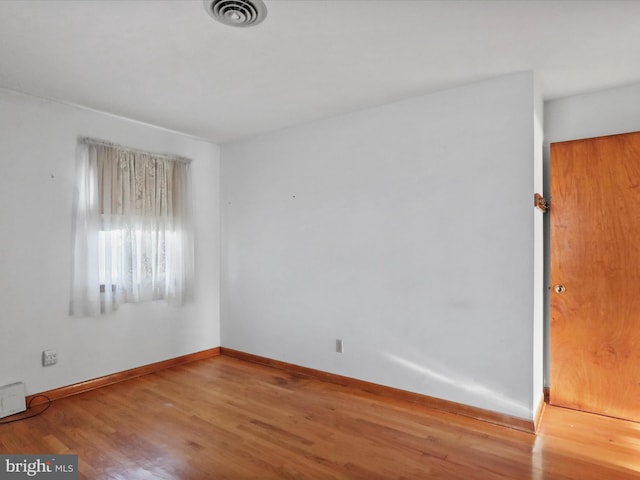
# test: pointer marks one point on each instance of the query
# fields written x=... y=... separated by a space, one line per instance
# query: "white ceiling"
x=168 y=63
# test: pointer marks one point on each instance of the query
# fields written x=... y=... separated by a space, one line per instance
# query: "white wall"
x=539 y=252
x=37 y=146
x=407 y=230
x=607 y=112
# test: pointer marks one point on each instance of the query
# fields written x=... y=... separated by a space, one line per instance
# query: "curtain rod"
x=105 y=143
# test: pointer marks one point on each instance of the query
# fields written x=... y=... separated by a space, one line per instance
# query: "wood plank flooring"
x=224 y=418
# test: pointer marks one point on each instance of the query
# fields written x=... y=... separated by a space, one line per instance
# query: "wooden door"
x=595 y=275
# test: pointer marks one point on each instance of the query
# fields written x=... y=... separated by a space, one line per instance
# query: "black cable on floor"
x=23 y=416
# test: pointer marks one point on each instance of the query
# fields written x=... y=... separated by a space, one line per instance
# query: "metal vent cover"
x=237 y=13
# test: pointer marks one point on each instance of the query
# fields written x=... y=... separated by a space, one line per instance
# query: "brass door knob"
x=559 y=289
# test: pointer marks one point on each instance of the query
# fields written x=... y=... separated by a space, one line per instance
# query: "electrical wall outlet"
x=49 y=357
x=339 y=346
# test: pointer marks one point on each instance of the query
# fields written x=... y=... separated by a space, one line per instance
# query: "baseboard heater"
x=12 y=399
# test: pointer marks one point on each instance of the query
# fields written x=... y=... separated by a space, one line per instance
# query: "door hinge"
x=540 y=203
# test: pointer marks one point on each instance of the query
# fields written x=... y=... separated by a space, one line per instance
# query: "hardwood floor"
x=224 y=418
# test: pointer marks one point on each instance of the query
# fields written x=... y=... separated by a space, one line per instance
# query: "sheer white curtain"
x=133 y=236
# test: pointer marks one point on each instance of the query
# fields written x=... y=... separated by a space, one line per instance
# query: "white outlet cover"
x=49 y=357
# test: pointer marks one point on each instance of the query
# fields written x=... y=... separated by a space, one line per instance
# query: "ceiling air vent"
x=237 y=13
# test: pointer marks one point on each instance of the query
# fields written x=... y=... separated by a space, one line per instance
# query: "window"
x=133 y=239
